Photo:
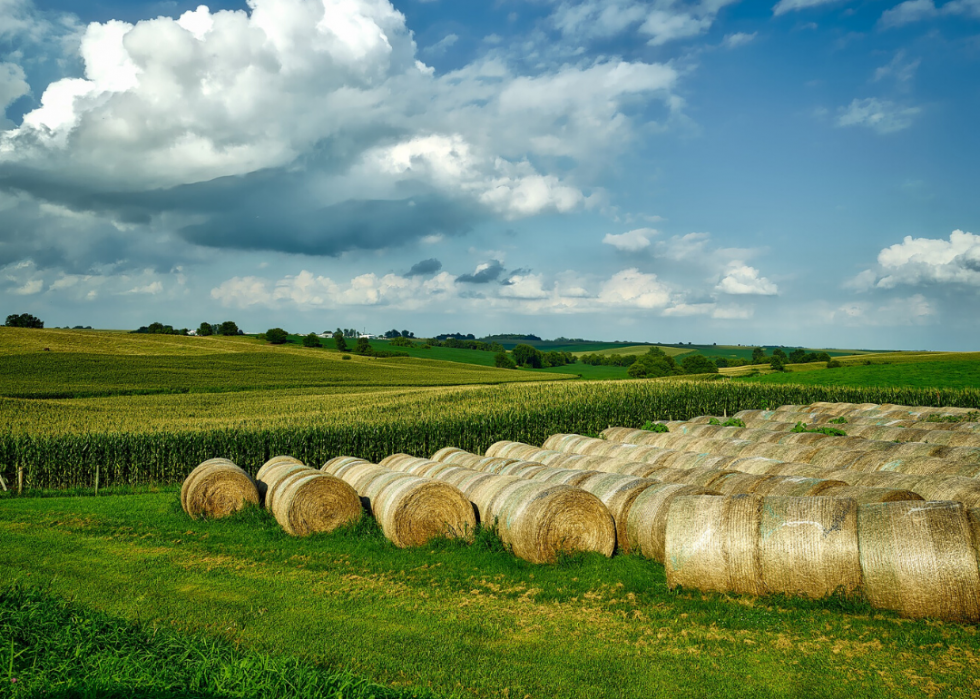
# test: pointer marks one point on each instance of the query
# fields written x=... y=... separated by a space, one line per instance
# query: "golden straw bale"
x=833 y=459
x=738 y=483
x=918 y=558
x=216 y=488
x=504 y=447
x=521 y=469
x=270 y=478
x=260 y=476
x=308 y=501
x=863 y=494
x=617 y=493
x=712 y=543
x=795 y=486
x=646 y=521
x=789 y=468
x=808 y=546
x=703 y=477
x=411 y=510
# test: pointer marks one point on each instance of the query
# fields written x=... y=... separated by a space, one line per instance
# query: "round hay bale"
x=833 y=459
x=196 y=471
x=791 y=468
x=273 y=476
x=808 y=546
x=216 y=488
x=565 y=476
x=862 y=494
x=638 y=469
x=308 y=501
x=918 y=558
x=712 y=543
x=796 y=486
x=737 y=483
x=703 y=477
x=275 y=461
x=646 y=521
x=973 y=516
x=617 y=493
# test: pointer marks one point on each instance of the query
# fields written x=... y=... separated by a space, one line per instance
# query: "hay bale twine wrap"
x=271 y=476
x=703 y=477
x=712 y=543
x=918 y=558
x=862 y=494
x=216 y=488
x=646 y=520
x=308 y=501
x=618 y=493
x=808 y=546
x=737 y=483
x=260 y=476
x=792 y=468
x=411 y=510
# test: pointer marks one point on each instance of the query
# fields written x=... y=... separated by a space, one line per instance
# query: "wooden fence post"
x=20 y=480
x=96 y=480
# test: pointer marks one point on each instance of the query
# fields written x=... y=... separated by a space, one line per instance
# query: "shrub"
x=401 y=341
x=776 y=363
x=698 y=364
x=311 y=340
x=637 y=371
x=346 y=356
x=362 y=346
x=833 y=364
x=654 y=427
x=502 y=361
x=205 y=329
x=832 y=431
x=276 y=336
x=525 y=355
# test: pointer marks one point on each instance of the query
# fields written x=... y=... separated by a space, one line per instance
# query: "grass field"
x=461 y=620
x=948 y=374
x=637 y=350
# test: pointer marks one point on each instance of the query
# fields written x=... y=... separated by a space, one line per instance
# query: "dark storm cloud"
x=490 y=274
x=425 y=268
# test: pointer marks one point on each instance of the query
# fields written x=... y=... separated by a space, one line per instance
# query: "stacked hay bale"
x=535 y=520
x=917 y=558
x=410 y=510
x=217 y=488
x=305 y=501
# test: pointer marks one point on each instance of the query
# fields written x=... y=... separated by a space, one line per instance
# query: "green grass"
x=637 y=350
x=455 y=619
x=950 y=374
x=56 y=648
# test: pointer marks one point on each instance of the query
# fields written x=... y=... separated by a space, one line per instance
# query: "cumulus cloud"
x=631 y=241
x=742 y=279
x=484 y=274
x=923 y=261
x=634 y=288
x=308 y=126
x=882 y=116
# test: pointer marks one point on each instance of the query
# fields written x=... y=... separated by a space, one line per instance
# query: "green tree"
x=778 y=352
x=338 y=338
x=502 y=360
x=312 y=340
x=759 y=356
x=24 y=320
x=205 y=329
x=721 y=362
x=637 y=370
x=229 y=327
x=797 y=356
x=698 y=364
x=776 y=363
x=276 y=336
x=362 y=346
x=525 y=355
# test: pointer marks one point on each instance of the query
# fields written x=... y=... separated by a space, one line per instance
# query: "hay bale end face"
x=646 y=521
x=217 y=488
x=308 y=501
x=919 y=559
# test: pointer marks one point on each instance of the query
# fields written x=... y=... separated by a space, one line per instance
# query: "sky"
x=795 y=172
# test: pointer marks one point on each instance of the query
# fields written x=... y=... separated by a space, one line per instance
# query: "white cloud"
x=920 y=261
x=634 y=288
x=913 y=310
x=901 y=70
x=784 y=6
x=631 y=241
x=152 y=288
x=742 y=279
x=882 y=116
x=31 y=287
x=919 y=10
x=662 y=22
x=524 y=286
x=739 y=39
x=242 y=292
x=441 y=46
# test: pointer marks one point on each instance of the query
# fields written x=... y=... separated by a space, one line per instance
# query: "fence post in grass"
x=20 y=480
x=3 y=483
x=96 y=479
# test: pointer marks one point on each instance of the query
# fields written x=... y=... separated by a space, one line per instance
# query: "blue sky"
x=791 y=172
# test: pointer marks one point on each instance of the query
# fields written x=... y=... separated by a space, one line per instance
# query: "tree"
x=503 y=361
x=205 y=329
x=797 y=356
x=699 y=364
x=391 y=334
x=525 y=355
x=776 y=363
x=721 y=362
x=312 y=340
x=24 y=320
x=339 y=342
x=228 y=328
x=759 y=356
x=362 y=346
x=406 y=333
x=276 y=336
x=637 y=370
x=778 y=352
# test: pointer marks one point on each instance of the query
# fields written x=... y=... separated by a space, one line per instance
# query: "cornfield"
x=159 y=439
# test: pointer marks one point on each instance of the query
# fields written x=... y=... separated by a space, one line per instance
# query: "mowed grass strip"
x=59 y=648
x=468 y=620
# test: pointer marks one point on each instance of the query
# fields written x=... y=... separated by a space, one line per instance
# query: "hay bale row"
x=617 y=492
x=917 y=558
x=410 y=510
x=535 y=520
x=880 y=433
x=217 y=488
x=304 y=500
x=855 y=425
x=904 y=458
